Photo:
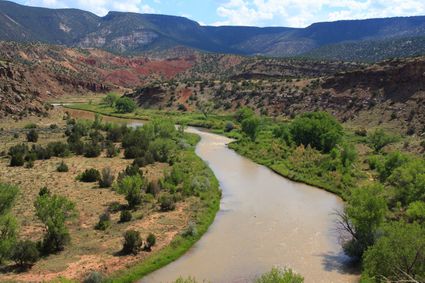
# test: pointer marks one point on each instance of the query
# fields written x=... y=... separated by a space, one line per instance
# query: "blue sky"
x=294 y=13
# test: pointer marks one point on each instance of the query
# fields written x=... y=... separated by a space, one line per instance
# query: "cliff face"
x=17 y=97
x=391 y=93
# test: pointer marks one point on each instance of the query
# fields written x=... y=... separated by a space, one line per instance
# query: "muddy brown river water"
x=264 y=220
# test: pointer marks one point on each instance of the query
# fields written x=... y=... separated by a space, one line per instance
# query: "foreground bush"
x=132 y=242
x=53 y=211
x=90 y=176
x=277 y=275
x=25 y=253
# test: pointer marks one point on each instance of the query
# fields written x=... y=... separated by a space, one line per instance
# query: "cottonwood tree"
x=363 y=214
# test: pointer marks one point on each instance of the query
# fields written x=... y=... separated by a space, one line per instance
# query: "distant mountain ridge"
x=134 y=33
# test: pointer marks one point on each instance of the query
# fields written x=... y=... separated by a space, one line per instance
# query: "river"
x=264 y=220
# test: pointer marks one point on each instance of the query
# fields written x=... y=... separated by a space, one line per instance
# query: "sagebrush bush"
x=62 y=167
x=132 y=242
x=125 y=216
x=166 y=202
x=92 y=150
x=58 y=149
x=111 y=150
x=150 y=242
x=25 y=253
x=107 y=178
x=17 y=160
x=104 y=221
x=94 y=277
x=32 y=135
x=90 y=176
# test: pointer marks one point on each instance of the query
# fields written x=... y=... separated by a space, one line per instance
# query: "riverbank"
x=180 y=244
x=265 y=150
x=357 y=160
x=92 y=250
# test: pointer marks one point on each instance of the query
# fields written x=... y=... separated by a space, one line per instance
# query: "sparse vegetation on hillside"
x=159 y=147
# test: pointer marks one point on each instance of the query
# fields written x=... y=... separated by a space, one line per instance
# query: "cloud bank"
x=99 y=7
x=300 y=13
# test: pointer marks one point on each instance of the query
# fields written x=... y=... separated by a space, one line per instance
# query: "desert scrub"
x=62 y=167
x=89 y=176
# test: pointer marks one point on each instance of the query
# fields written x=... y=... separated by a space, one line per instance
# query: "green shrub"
x=114 y=207
x=277 y=275
x=107 y=178
x=40 y=152
x=110 y=99
x=363 y=214
x=161 y=149
x=29 y=164
x=30 y=126
x=54 y=211
x=131 y=187
x=58 y=149
x=25 y=253
x=125 y=216
x=94 y=277
x=111 y=150
x=17 y=160
x=166 y=202
x=191 y=230
x=229 y=127
x=318 y=129
x=379 y=139
x=244 y=113
x=104 y=221
x=153 y=188
x=62 y=167
x=398 y=255
x=44 y=191
x=133 y=152
x=32 y=136
x=125 y=105
x=250 y=126
x=92 y=150
x=416 y=211
x=132 y=242
x=8 y=224
x=150 y=242
x=90 y=176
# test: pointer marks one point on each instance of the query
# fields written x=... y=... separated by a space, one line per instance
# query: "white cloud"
x=99 y=7
x=300 y=13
